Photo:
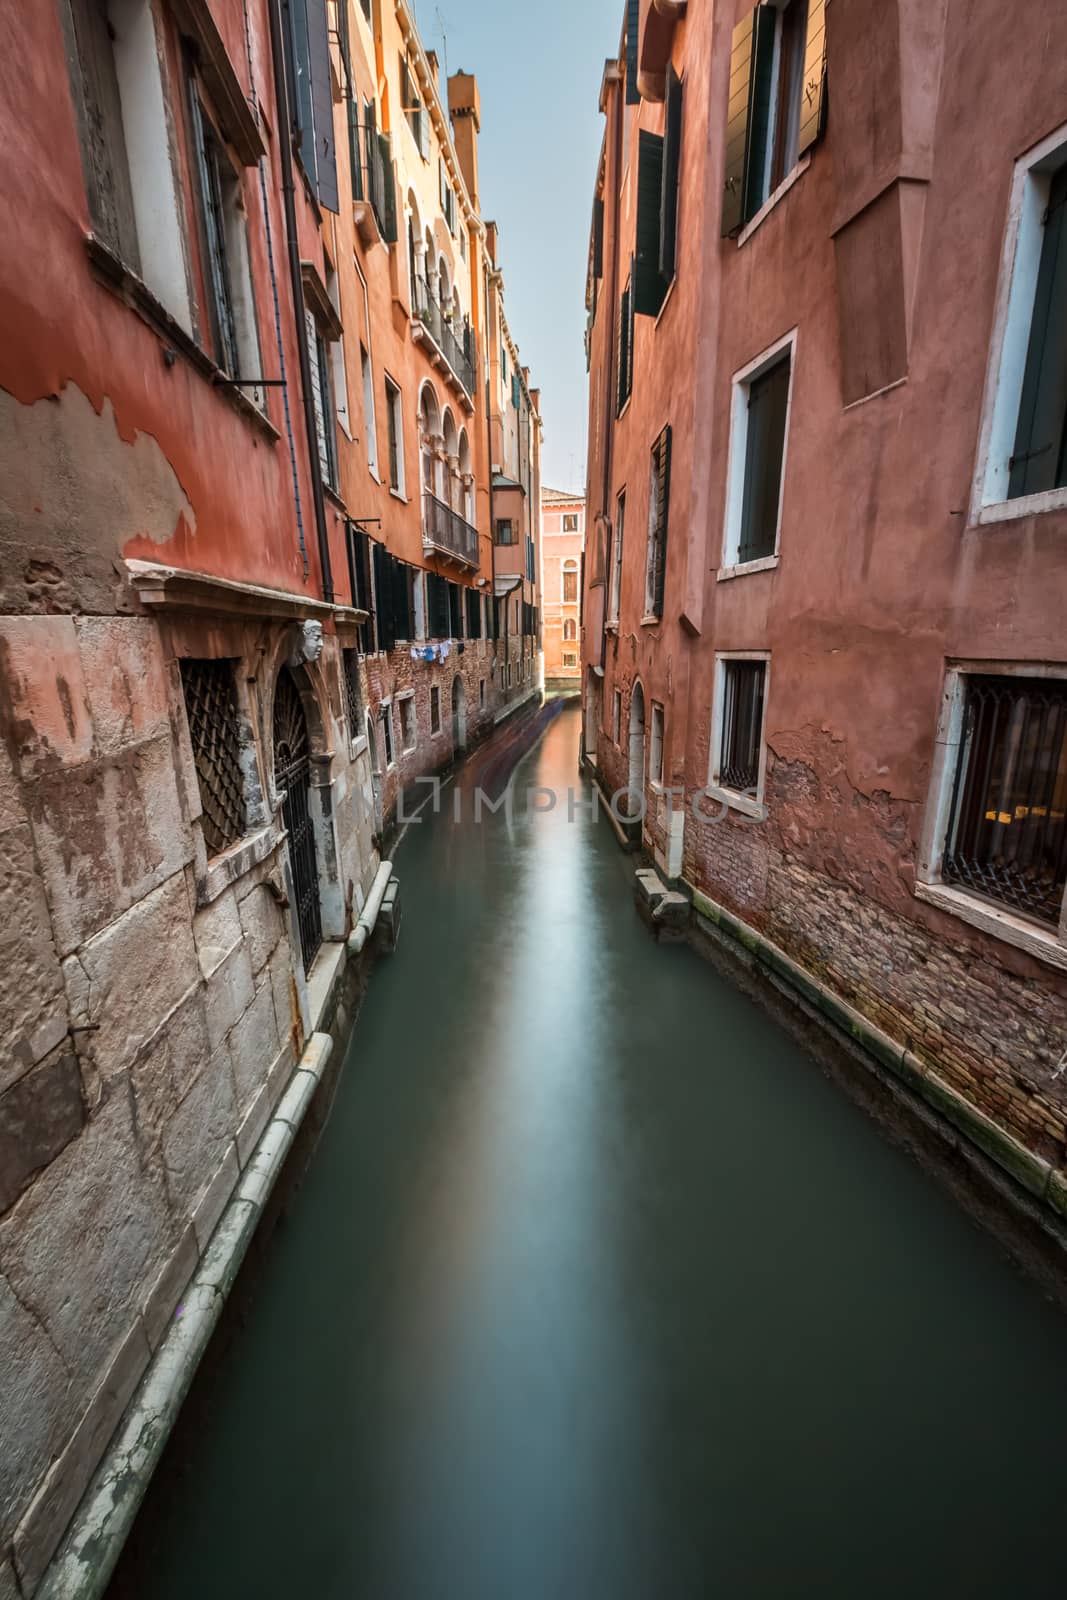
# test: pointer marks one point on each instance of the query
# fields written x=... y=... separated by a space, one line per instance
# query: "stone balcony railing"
x=457 y=351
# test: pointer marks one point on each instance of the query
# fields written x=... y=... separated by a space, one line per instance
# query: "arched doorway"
x=459 y=713
x=292 y=775
x=636 y=786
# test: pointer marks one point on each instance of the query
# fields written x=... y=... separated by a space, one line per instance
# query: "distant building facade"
x=824 y=644
x=562 y=550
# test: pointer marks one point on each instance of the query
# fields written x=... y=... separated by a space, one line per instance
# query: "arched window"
x=570 y=583
x=570 y=630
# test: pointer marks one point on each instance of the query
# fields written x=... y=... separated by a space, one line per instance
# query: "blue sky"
x=539 y=69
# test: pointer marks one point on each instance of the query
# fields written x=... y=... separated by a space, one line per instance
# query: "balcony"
x=454 y=354
x=446 y=533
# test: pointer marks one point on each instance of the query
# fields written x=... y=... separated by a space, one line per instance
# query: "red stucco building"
x=825 y=644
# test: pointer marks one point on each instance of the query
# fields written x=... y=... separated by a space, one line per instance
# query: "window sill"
x=332 y=494
x=773 y=199
x=650 y=622
x=742 y=568
x=1015 y=930
x=124 y=283
x=357 y=747
x=1027 y=505
x=234 y=863
x=745 y=803
x=398 y=494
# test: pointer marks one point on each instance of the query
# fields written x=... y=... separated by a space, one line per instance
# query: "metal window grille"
x=350 y=678
x=1007 y=838
x=211 y=707
x=742 y=724
x=292 y=775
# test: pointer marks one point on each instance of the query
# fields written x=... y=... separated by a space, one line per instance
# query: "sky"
x=539 y=69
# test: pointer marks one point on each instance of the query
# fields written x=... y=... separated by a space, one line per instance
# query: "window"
x=570 y=583
x=615 y=587
x=655 y=746
x=413 y=109
x=1006 y=838
x=350 y=680
x=395 y=413
x=657 y=205
x=569 y=658
x=435 y=710
x=738 y=752
x=505 y=531
x=124 y=131
x=408 y=727
x=756 y=472
x=659 y=494
x=387 y=733
x=474 y=614
x=625 y=377
x=210 y=691
x=322 y=396
x=448 y=199
x=570 y=522
x=570 y=630
x=369 y=423
x=307 y=61
x=481 y=694
x=776 y=100
x=616 y=715
x=1023 y=454
x=338 y=372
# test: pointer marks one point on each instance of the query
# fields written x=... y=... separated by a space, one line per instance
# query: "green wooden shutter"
x=760 y=109
x=649 y=285
x=813 y=88
x=325 y=173
x=598 y=238
x=661 y=453
x=672 y=150
x=389 y=183
x=355 y=155
x=625 y=372
x=633 y=30
x=382 y=598
x=1039 y=460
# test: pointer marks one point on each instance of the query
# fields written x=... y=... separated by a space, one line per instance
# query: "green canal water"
x=598 y=1290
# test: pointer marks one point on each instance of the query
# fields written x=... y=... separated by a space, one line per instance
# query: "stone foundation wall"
x=151 y=1005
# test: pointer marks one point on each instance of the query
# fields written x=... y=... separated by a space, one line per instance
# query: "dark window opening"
x=1039 y=459
x=768 y=400
x=210 y=692
x=742 y=725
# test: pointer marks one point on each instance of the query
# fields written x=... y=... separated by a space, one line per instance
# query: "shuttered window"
x=311 y=96
x=412 y=106
x=741 y=740
x=776 y=102
x=598 y=238
x=437 y=606
x=648 y=283
x=359 y=567
x=633 y=39
x=1039 y=459
x=455 y=611
x=768 y=403
x=672 y=155
x=626 y=348
x=659 y=494
x=394 y=583
x=474 y=614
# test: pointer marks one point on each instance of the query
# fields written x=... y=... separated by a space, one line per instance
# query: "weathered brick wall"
x=828 y=877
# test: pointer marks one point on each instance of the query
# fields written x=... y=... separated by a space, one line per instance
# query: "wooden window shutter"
x=672 y=150
x=383 y=610
x=1039 y=459
x=633 y=30
x=751 y=59
x=649 y=285
x=626 y=327
x=662 y=468
x=322 y=104
x=598 y=238
x=355 y=155
x=813 y=88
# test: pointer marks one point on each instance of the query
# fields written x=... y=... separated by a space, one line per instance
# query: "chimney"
x=435 y=66
x=465 y=110
x=490 y=242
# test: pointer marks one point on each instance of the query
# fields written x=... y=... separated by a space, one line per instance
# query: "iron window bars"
x=1007 y=836
x=211 y=706
x=742 y=724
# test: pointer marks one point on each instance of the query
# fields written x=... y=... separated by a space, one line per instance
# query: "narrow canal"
x=598 y=1289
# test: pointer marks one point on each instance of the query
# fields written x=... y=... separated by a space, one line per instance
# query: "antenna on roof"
x=442 y=28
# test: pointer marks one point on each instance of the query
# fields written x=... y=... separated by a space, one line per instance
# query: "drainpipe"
x=369 y=915
x=489 y=464
x=612 y=333
x=281 y=97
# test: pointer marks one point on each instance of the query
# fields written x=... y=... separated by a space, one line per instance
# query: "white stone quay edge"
x=82 y=1567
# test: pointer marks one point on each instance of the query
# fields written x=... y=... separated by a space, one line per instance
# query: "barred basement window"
x=350 y=678
x=211 y=706
x=1007 y=834
x=740 y=748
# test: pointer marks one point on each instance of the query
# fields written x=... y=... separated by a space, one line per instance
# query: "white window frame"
x=752 y=807
x=656 y=727
x=740 y=384
x=394 y=399
x=407 y=697
x=1046 y=944
x=1017 y=284
x=370 y=421
x=615 y=582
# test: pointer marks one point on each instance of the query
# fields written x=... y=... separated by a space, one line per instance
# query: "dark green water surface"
x=598 y=1290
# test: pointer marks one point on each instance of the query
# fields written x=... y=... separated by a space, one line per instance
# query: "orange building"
x=562 y=552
